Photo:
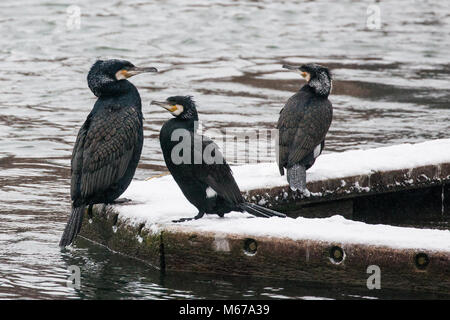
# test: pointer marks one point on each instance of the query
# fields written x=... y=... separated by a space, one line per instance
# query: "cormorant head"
x=182 y=107
x=106 y=74
x=317 y=76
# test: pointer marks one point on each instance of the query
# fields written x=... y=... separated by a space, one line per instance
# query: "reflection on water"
x=391 y=86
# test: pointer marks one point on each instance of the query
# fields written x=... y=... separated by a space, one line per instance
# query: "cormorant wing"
x=302 y=125
x=290 y=116
x=311 y=132
x=103 y=150
x=215 y=171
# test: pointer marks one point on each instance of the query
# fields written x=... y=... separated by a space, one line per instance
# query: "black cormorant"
x=304 y=121
x=197 y=165
x=109 y=143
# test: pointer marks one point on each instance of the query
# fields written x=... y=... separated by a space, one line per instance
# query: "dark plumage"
x=204 y=177
x=304 y=121
x=109 y=143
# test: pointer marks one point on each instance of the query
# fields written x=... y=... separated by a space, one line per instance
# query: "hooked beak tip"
x=137 y=70
x=147 y=69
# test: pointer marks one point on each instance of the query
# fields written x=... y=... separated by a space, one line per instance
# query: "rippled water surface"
x=391 y=86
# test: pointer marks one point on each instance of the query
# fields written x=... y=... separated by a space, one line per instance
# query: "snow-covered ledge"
x=334 y=176
x=331 y=249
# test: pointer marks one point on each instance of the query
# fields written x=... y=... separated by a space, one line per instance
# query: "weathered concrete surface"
x=135 y=241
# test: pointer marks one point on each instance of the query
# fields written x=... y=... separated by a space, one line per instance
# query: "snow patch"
x=335 y=229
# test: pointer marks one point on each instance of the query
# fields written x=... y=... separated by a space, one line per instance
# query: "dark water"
x=392 y=85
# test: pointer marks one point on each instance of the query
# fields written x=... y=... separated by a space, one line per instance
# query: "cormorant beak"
x=128 y=73
x=292 y=68
x=304 y=74
x=169 y=107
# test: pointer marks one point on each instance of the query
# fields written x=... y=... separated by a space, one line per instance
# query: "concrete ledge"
x=348 y=187
x=344 y=195
x=178 y=248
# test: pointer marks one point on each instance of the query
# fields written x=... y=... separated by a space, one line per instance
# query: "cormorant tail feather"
x=73 y=226
x=259 y=211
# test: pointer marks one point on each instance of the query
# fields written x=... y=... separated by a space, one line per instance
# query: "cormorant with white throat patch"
x=303 y=124
x=201 y=172
x=109 y=144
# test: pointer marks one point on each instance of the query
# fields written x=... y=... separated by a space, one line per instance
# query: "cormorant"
x=109 y=144
x=198 y=166
x=304 y=121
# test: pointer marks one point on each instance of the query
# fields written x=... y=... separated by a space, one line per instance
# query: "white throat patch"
x=178 y=111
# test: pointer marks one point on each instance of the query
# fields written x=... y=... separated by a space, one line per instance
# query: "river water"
x=391 y=86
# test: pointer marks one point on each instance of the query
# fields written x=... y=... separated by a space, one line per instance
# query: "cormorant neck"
x=189 y=124
x=321 y=85
x=189 y=115
x=111 y=87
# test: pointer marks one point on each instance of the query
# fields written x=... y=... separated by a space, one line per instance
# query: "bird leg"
x=296 y=176
x=198 y=216
x=89 y=211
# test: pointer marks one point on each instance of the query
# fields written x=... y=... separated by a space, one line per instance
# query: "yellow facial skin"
x=123 y=74
x=176 y=109
x=306 y=75
x=173 y=108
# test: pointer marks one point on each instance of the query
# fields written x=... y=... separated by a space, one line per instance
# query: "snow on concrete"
x=158 y=201
x=335 y=229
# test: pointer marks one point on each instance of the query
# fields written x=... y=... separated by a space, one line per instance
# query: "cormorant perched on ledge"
x=109 y=143
x=202 y=173
x=304 y=121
